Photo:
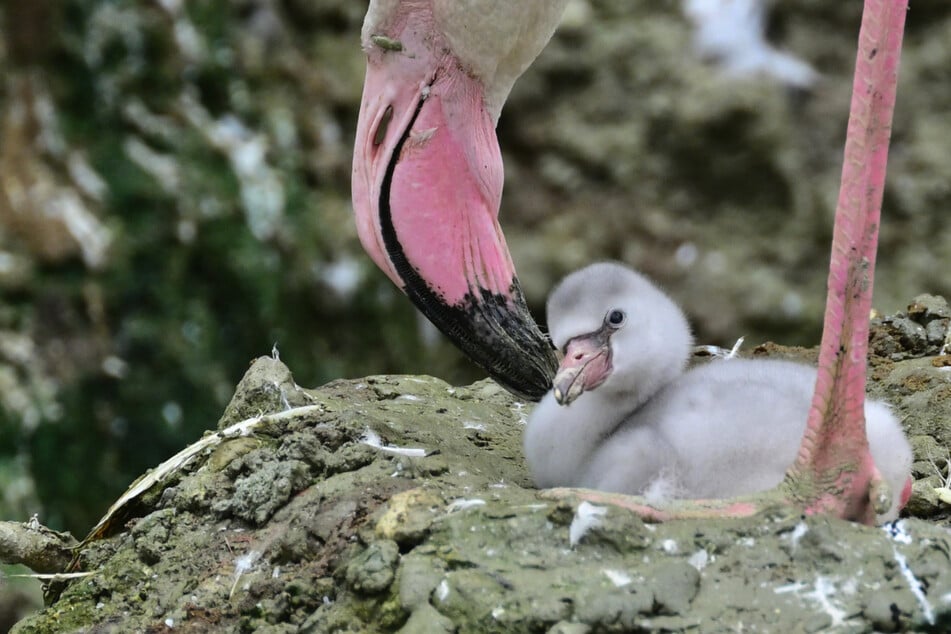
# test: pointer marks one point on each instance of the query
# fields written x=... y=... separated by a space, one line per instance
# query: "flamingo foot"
x=844 y=483
x=861 y=503
x=745 y=506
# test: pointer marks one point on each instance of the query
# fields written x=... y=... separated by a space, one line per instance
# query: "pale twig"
x=944 y=476
x=58 y=576
x=183 y=457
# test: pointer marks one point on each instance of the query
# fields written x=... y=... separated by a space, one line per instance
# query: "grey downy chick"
x=625 y=415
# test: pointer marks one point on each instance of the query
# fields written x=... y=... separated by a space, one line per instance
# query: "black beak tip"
x=529 y=378
x=500 y=335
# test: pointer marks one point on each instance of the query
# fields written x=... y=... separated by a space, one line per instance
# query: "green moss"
x=366 y=540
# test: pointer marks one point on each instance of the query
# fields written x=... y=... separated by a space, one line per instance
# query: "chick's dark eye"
x=616 y=318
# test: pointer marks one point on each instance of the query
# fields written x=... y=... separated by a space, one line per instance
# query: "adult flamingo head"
x=427 y=171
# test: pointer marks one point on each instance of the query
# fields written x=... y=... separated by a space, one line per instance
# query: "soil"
x=402 y=504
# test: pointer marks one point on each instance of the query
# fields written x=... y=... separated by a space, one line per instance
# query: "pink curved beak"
x=586 y=365
x=427 y=183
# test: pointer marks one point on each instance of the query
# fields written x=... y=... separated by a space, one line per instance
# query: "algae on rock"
x=313 y=525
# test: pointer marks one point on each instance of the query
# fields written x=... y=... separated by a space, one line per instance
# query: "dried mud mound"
x=402 y=504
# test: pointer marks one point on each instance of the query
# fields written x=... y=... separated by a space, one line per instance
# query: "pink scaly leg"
x=834 y=472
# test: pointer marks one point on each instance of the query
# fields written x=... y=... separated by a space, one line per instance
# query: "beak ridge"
x=586 y=365
x=427 y=185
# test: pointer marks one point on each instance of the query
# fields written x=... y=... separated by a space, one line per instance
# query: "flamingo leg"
x=834 y=472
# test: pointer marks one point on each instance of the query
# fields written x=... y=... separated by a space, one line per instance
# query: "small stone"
x=425 y=619
x=258 y=495
x=936 y=331
x=926 y=308
x=675 y=586
x=409 y=516
x=910 y=334
x=419 y=575
x=924 y=500
x=374 y=569
x=151 y=534
x=597 y=604
x=292 y=546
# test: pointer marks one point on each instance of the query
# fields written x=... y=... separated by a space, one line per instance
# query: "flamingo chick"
x=624 y=416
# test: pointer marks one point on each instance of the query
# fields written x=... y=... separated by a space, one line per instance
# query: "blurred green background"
x=174 y=201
